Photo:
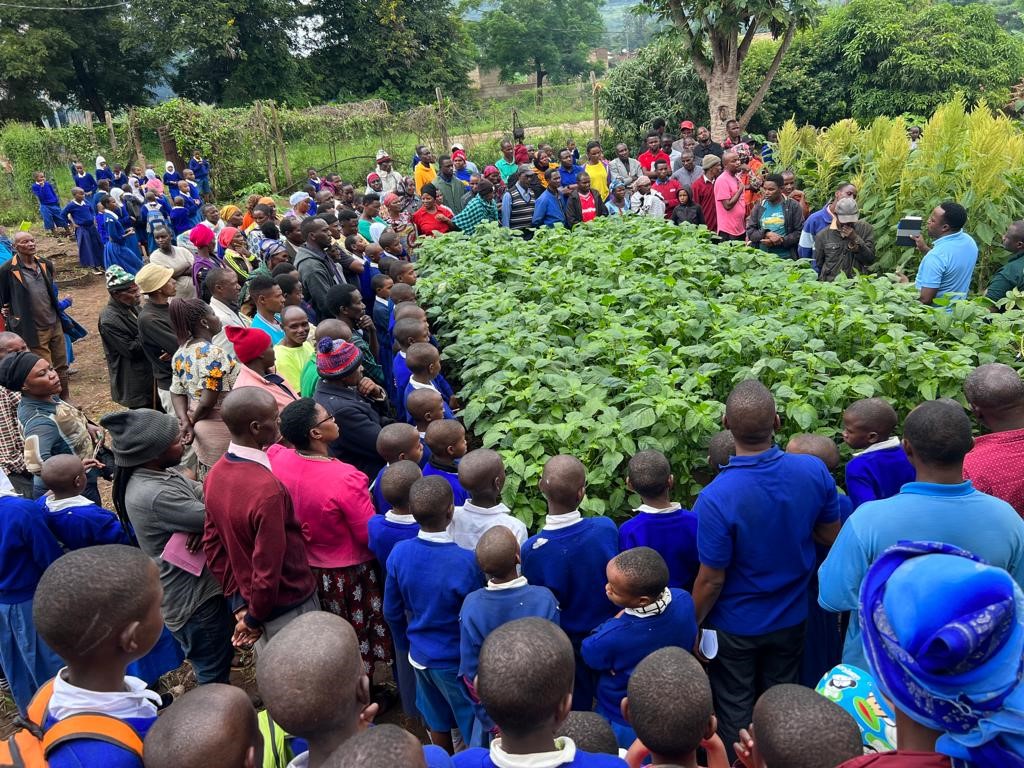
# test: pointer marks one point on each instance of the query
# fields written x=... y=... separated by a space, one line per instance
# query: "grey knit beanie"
x=140 y=435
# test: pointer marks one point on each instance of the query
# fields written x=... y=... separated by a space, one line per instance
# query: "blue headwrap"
x=944 y=634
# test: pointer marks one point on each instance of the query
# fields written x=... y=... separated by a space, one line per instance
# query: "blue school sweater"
x=90 y=753
x=85 y=182
x=622 y=642
x=83 y=215
x=181 y=219
x=571 y=563
x=878 y=474
x=384 y=534
x=201 y=168
x=171 y=179
x=84 y=524
x=119 y=180
x=410 y=388
x=26 y=548
x=379 y=502
x=453 y=480
x=46 y=193
x=426 y=584
x=478 y=757
x=382 y=317
x=673 y=535
x=487 y=609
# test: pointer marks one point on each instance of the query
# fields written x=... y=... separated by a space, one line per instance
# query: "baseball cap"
x=686 y=124
x=847 y=211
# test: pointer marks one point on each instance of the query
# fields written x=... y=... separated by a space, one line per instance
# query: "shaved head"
x=59 y=472
x=815 y=445
x=11 y=342
x=480 y=469
x=563 y=480
x=993 y=387
x=497 y=552
x=246 y=405
x=333 y=329
x=750 y=412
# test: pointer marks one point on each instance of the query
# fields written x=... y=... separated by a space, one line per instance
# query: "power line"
x=63 y=8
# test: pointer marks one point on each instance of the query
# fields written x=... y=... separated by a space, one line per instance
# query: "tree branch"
x=773 y=70
x=748 y=38
x=682 y=23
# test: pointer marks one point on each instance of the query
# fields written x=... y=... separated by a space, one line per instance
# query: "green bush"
x=628 y=334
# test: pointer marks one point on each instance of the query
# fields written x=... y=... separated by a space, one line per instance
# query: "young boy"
x=424 y=363
x=382 y=745
x=382 y=307
x=590 y=732
x=826 y=450
x=669 y=706
x=880 y=467
x=790 y=722
x=425 y=406
x=482 y=475
x=660 y=523
x=27 y=548
x=98 y=633
x=181 y=220
x=75 y=520
x=721 y=448
x=525 y=684
x=405 y=332
x=446 y=440
x=213 y=724
x=49 y=203
x=427 y=581
x=404 y=272
x=652 y=617
x=569 y=556
x=395 y=442
x=506 y=597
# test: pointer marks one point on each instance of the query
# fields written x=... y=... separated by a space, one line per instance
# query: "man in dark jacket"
x=317 y=270
x=846 y=246
x=584 y=204
x=356 y=402
x=28 y=297
x=775 y=221
x=131 y=375
x=155 y=330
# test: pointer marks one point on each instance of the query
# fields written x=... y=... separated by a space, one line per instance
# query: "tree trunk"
x=540 y=84
x=723 y=87
x=169 y=148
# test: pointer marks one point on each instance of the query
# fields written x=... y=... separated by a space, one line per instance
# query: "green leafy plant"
x=629 y=333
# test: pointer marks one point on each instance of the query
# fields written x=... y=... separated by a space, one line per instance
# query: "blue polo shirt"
x=949 y=266
x=957 y=514
x=756 y=521
x=568 y=177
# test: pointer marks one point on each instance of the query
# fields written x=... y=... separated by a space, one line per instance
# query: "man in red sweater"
x=252 y=539
x=703 y=190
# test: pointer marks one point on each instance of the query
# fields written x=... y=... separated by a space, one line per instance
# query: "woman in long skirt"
x=117 y=251
x=82 y=216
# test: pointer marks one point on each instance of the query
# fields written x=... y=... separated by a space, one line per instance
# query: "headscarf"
x=150 y=173
x=389 y=198
x=944 y=633
x=266 y=201
x=269 y=248
x=226 y=236
x=228 y=211
x=156 y=186
x=201 y=236
x=15 y=368
x=100 y=160
x=371 y=176
x=169 y=166
x=491 y=169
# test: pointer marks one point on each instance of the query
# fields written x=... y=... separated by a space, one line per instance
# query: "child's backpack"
x=30 y=746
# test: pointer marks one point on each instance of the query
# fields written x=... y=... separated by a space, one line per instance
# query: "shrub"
x=628 y=334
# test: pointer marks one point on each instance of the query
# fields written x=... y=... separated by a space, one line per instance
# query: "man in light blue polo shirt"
x=939 y=506
x=948 y=265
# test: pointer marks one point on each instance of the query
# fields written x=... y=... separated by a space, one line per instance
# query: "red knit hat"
x=336 y=358
x=249 y=343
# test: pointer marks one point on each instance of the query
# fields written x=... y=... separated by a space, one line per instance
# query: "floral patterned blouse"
x=202 y=366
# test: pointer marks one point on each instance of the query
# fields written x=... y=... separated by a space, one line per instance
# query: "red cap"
x=249 y=343
x=686 y=124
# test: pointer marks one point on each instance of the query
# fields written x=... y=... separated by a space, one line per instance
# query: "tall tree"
x=718 y=35
x=540 y=38
x=78 y=58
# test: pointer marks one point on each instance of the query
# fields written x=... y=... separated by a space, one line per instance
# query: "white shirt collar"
x=565 y=752
x=672 y=507
x=380 y=300
x=519 y=581
x=892 y=442
x=299 y=761
x=497 y=509
x=420 y=385
x=652 y=609
x=251 y=454
x=59 y=505
x=136 y=701
x=394 y=517
x=219 y=305
x=557 y=522
x=438 y=537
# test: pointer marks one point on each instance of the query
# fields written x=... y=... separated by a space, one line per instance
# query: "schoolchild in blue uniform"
x=661 y=523
x=406 y=331
x=117 y=251
x=171 y=177
x=384 y=532
x=424 y=363
x=506 y=597
x=381 y=312
x=427 y=581
x=395 y=442
x=99 y=632
x=525 y=682
x=653 y=616
x=82 y=178
x=880 y=467
x=120 y=178
x=181 y=221
x=446 y=440
x=83 y=219
x=569 y=556
x=425 y=406
x=201 y=168
x=49 y=203
x=103 y=172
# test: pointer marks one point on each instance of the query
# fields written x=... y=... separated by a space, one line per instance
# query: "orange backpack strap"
x=94 y=726
x=37 y=708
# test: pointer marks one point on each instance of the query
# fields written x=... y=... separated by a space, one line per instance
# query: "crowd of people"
x=290 y=477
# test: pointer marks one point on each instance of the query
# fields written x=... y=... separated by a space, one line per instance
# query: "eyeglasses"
x=323 y=421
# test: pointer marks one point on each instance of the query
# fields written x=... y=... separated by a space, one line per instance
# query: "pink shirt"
x=995 y=465
x=731 y=221
x=247 y=377
x=332 y=503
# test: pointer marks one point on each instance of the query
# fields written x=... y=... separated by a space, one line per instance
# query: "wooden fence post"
x=280 y=143
x=133 y=130
x=108 y=118
x=595 y=94
x=265 y=144
x=442 y=122
x=92 y=131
